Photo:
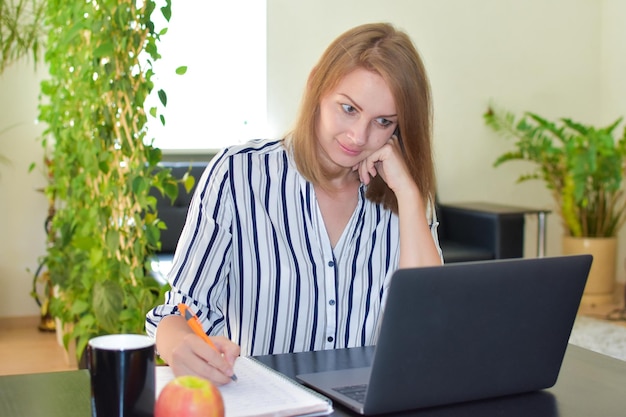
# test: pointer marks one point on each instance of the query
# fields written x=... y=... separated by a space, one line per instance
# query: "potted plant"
x=101 y=165
x=583 y=168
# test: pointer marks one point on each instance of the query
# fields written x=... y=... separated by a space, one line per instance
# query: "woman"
x=289 y=245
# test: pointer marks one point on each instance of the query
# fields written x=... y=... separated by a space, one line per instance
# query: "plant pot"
x=600 y=288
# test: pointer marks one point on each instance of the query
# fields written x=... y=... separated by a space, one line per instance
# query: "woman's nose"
x=359 y=132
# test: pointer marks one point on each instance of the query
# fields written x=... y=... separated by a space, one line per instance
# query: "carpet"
x=599 y=336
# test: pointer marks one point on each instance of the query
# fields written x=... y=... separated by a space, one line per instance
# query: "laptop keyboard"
x=355 y=392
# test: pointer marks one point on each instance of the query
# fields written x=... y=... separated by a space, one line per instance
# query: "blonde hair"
x=380 y=48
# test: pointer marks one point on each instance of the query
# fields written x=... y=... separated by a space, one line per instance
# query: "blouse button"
x=331 y=263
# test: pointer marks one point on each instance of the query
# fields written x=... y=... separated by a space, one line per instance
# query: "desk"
x=590 y=384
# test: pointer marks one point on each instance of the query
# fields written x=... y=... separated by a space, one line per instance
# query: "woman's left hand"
x=389 y=164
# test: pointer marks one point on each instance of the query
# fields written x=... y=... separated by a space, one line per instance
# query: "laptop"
x=465 y=331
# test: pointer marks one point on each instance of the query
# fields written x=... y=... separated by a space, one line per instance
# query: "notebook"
x=465 y=331
x=261 y=391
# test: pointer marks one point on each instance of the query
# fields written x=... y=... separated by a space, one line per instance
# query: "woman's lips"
x=349 y=151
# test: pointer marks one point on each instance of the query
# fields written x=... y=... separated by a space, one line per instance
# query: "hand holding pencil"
x=194 y=324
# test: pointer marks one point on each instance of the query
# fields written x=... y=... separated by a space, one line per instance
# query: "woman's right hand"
x=187 y=354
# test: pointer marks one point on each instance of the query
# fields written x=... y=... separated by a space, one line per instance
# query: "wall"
x=613 y=60
x=554 y=57
x=23 y=209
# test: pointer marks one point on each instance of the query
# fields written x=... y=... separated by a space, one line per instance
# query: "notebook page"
x=260 y=391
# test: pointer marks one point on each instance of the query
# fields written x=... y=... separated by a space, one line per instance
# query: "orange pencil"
x=194 y=324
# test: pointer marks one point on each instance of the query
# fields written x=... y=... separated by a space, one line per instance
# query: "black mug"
x=122 y=368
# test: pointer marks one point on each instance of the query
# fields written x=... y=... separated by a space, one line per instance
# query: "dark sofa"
x=467 y=232
x=480 y=231
x=174 y=214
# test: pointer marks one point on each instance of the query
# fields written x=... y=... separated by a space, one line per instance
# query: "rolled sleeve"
x=201 y=264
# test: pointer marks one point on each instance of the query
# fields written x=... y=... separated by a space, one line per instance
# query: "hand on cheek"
x=366 y=170
x=375 y=164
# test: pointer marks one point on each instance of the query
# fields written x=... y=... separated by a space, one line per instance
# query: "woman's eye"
x=383 y=122
x=347 y=108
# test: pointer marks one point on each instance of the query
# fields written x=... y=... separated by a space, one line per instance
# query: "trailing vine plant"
x=102 y=164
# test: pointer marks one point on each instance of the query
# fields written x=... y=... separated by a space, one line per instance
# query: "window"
x=221 y=99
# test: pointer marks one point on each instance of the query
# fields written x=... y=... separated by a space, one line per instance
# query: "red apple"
x=189 y=396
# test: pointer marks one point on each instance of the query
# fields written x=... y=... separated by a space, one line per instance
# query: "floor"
x=26 y=349
x=613 y=313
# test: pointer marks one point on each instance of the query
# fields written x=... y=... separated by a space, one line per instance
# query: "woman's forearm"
x=417 y=246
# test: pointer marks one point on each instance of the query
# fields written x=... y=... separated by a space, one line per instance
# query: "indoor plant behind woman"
x=583 y=167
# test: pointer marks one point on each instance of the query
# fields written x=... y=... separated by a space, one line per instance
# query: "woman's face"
x=356 y=118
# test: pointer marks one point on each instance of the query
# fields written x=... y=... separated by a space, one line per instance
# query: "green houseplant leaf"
x=108 y=301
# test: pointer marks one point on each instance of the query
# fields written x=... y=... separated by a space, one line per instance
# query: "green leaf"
x=154 y=235
x=127 y=315
x=107 y=304
x=81 y=345
x=83 y=242
x=167 y=10
x=140 y=185
x=79 y=307
x=171 y=190
x=104 y=166
x=104 y=50
x=162 y=97
x=188 y=181
x=150 y=218
x=154 y=156
x=112 y=243
x=181 y=70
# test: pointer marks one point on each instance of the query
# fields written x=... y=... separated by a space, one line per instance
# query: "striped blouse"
x=256 y=264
